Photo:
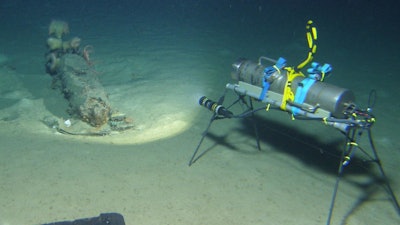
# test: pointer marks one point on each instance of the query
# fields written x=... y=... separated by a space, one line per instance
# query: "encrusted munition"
x=73 y=73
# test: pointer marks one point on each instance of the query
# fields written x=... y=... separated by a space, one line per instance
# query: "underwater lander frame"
x=305 y=97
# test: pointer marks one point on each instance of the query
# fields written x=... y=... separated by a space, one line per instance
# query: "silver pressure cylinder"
x=327 y=96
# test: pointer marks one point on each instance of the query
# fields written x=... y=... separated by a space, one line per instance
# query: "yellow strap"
x=288 y=94
x=352 y=143
x=267 y=107
x=346 y=160
x=322 y=76
x=312 y=45
x=277 y=69
x=371 y=120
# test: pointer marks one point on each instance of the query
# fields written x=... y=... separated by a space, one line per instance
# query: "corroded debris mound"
x=85 y=94
x=88 y=101
x=72 y=71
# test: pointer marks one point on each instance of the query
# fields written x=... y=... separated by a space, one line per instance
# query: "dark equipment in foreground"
x=305 y=97
x=103 y=219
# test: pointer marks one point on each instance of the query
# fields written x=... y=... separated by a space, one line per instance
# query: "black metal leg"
x=255 y=125
x=383 y=174
x=345 y=159
x=194 y=159
x=346 y=150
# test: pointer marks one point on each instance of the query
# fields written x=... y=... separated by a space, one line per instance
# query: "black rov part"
x=103 y=219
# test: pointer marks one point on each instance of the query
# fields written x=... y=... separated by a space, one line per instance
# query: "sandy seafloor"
x=155 y=63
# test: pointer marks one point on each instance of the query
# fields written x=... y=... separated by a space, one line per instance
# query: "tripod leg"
x=342 y=164
x=339 y=176
x=193 y=159
x=383 y=174
x=257 y=135
x=255 y=126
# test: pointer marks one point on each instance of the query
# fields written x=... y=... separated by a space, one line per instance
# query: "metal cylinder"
x=248 y=71
x=327 y=96
x=330 y=97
